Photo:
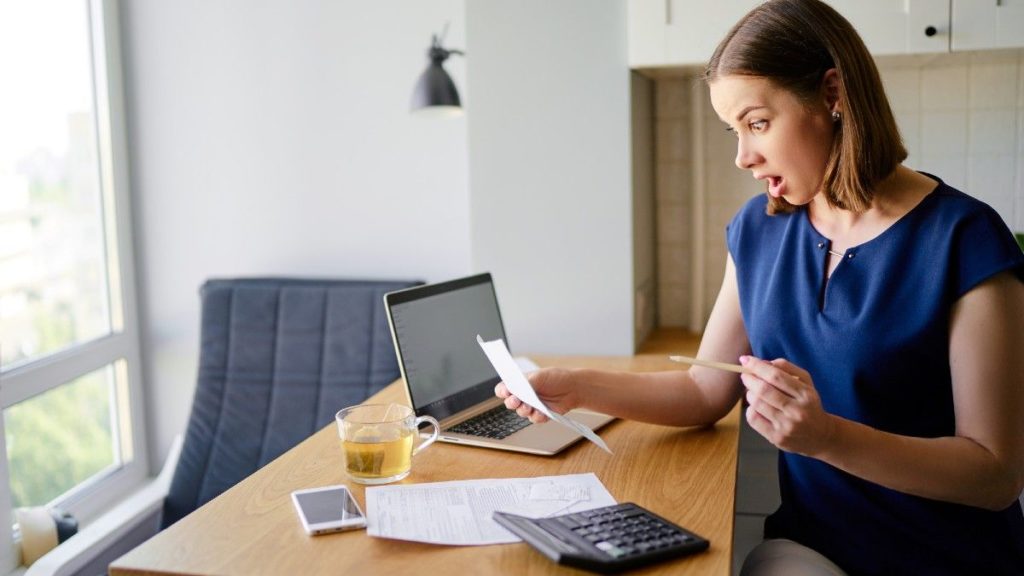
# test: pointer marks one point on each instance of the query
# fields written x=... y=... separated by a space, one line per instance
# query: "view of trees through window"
x=52 y=296
x=54 y=292
x=60 y=438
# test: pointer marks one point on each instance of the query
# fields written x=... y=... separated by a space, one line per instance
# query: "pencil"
x=712 y=364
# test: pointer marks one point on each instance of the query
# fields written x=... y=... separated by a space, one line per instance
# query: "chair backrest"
x=278 y=357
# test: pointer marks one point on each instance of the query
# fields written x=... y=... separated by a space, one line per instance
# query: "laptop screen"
x=435 y=329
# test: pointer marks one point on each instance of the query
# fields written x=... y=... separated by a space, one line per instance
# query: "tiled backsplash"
x=961 y=116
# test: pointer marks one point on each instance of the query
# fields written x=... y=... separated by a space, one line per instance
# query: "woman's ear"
x=830 y=90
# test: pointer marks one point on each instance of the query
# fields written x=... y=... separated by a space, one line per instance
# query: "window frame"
x=94 y=496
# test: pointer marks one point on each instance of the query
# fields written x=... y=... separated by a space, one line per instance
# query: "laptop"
x=447 y=375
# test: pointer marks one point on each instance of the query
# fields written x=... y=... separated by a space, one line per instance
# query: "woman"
x=880 y=310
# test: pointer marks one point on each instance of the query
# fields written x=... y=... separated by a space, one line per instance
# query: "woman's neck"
x=893 y=197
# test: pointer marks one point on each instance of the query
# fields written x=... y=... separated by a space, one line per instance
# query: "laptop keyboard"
x=496 y=423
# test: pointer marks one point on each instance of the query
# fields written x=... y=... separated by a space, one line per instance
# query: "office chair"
x=278 y=357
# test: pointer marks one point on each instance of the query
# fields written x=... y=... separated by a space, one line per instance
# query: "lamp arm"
x=439 y=53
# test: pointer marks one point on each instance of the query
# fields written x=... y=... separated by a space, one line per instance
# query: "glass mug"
x=377 y=441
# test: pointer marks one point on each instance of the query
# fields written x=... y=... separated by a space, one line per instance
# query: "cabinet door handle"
x=668 y=11
x=930 y=31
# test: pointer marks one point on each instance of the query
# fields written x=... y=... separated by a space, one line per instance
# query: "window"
x=70 y=389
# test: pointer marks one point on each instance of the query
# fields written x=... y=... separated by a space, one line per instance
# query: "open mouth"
x=775 y=186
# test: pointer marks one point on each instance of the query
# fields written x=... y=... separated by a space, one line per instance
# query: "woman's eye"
x=758 y=125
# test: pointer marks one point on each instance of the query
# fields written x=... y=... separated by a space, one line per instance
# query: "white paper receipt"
x=459 y=512
x=519 y=386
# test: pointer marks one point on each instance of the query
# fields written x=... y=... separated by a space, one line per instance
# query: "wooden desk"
x=686 y=475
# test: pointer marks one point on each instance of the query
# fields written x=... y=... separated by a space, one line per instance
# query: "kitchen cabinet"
x=930 y=26
x=679 y=32
x=907 y=27
x=982 y=24
x=686 y=32
x=664 y=33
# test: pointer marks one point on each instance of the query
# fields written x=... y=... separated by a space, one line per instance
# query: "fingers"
x=784 y=406
x=514 y=403
x=511 y=402
x=526 y=411
x=792 y=369
x=535 y=416
x=759 y=423
x=773 y=390
x=501 y=391
x=764 y=396
x=780 y=379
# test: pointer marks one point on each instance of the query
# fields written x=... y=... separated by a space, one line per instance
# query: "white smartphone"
x=328 y=509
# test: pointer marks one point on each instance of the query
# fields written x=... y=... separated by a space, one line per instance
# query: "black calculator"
x=606 y=540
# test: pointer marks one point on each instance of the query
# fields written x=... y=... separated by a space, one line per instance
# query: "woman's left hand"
x=785 y=408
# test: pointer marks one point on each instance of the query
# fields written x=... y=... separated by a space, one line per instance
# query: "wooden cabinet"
x=984 y=24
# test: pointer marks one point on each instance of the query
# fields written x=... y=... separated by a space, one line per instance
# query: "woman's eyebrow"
x=748 y=110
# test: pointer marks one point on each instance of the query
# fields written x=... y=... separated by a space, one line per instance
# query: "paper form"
x=459 y=513
x=519 y=386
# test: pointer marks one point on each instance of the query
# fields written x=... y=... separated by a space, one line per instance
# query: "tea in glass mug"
x=377 y=441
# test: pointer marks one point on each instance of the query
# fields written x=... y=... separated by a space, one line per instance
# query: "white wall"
x=549 y=149
x=273 y=138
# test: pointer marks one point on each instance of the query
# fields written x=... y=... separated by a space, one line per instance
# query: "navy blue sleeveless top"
x=875 y=338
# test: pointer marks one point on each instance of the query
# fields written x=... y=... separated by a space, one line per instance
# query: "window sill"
x=108 y=529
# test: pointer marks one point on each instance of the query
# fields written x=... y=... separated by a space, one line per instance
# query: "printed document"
x=459 y=513
x=519 y=386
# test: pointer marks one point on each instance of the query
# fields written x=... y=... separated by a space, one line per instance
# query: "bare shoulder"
x=992 y=311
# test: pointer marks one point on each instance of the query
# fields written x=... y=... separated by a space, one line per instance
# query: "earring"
x=835 y=116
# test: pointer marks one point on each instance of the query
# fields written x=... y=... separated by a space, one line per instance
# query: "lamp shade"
x=435 y=93
x=435 y=88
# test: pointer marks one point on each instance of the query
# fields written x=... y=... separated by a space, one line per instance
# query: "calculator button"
x=610 y=549
x=567 y=521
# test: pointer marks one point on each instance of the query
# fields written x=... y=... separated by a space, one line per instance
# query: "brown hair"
x=793 y=43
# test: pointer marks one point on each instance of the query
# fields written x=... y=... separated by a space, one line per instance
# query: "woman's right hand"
x=553 y=386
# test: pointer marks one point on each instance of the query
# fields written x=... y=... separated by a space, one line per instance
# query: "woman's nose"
x=746 y=156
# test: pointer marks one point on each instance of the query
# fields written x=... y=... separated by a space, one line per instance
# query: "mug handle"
x=437 y=429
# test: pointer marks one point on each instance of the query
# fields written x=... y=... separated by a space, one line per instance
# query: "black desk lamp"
x=435 y=93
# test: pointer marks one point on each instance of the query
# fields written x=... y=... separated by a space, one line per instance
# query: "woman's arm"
x=691 y=397
x=982 y=465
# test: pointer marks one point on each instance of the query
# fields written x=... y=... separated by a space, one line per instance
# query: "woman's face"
x=780 y=139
